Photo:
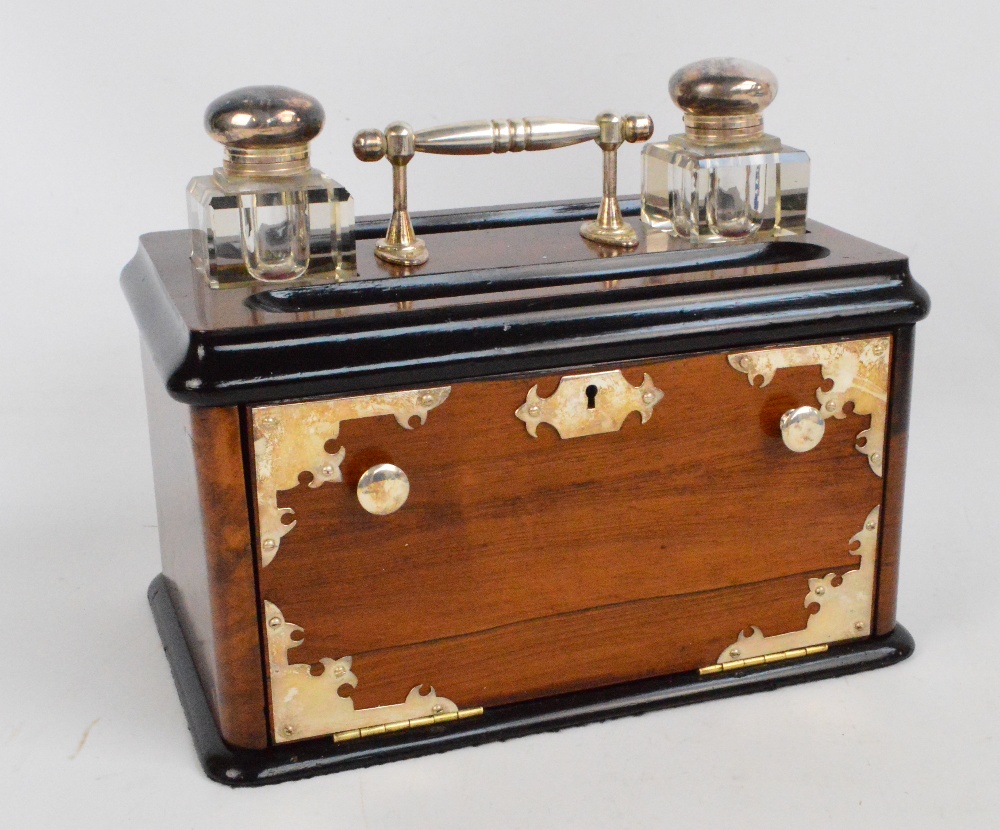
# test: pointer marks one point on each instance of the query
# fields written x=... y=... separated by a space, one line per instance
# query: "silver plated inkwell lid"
x=266 y=130
x=723 y=98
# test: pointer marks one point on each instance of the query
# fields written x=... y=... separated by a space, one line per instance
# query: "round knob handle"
x=255 y=117
x=723 y=96
x=802 y=428
x=637 y=127
x=369 y=145
x=383 y=489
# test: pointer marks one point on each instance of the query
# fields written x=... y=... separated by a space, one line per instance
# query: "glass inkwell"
x=267 y=213
x=724 y=179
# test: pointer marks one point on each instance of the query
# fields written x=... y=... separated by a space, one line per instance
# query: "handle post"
x=609 y=228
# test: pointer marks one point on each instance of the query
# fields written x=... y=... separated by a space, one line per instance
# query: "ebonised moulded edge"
x=238 y=767
x=859 y=289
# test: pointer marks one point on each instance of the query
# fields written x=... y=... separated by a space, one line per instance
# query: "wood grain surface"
x=891 y=519
x=205 y=547
x=523 y=566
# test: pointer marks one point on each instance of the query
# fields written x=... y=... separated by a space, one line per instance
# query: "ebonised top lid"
x=514 y=291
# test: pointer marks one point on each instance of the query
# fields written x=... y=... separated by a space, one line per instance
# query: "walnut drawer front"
x=526 y=565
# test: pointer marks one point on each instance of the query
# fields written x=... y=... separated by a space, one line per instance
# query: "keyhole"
x=591 y=396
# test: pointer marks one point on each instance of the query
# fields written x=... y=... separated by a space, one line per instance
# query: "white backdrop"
x=102 y=129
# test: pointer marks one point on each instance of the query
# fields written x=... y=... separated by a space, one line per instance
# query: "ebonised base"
x=254 y=767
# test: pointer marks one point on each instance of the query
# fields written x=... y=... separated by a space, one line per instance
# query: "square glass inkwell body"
x=266 y=213
x=724 y=179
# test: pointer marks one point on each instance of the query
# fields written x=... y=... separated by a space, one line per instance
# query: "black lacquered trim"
x=480 y=283
x=501 y=216
x=242 y=767
x=443 y=328
x=359 y=355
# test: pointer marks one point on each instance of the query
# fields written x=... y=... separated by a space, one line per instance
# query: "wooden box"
x=602 y=514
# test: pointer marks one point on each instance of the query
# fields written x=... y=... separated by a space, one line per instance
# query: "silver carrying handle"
x=399 y=143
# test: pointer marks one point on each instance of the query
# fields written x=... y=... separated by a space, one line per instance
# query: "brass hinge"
x=777 y=657
x=400 y=725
